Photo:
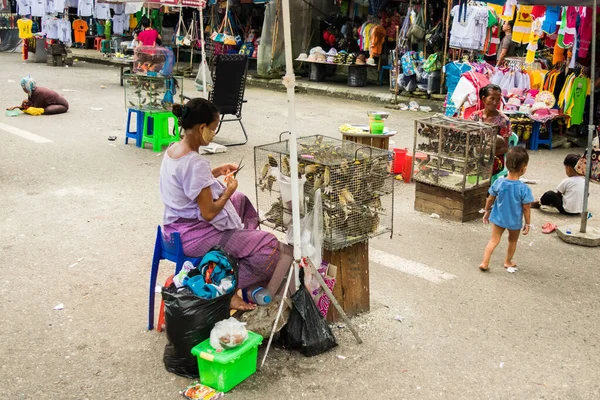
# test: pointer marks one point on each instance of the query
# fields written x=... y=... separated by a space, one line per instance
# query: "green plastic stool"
x=160 y=135
x=105 y=46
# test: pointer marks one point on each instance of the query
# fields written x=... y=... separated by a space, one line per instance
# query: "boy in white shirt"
x=568 y=199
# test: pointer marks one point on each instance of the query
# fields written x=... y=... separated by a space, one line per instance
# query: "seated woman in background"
x=491 y=97
x=207 y=212
x=42 y=98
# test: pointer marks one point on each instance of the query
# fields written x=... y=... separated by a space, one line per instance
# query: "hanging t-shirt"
x=118 y=8
x=59 y=6
x=79 y=29
x=24 y=7
x=85 y=8
x=552 y=18
x=50 y=27
x=102 y=11
x=119 y=24
x=469 y=29
x=50 y=7
x=64 y=31
x=38 y=8
x=72 y=3
x=108 y=29
x=575 y=105
x=522 y=27
x=24 y=28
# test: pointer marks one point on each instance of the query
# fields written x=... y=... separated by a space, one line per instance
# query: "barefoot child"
x=511 y=200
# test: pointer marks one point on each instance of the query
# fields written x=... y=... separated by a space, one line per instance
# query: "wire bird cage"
x=453 y=153
x=357 y=190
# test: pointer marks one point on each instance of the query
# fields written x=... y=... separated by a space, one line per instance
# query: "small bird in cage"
x=275 y=214
x=285 y=166
x=272 y=161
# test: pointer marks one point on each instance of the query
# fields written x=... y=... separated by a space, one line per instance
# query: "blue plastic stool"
x=165 y=250
x=139 y=126
x=383 y=68
x=535 y=141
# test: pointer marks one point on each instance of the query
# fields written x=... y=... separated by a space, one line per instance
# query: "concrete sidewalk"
x=335 y=86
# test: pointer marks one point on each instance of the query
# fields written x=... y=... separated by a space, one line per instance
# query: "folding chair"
x=229 y=84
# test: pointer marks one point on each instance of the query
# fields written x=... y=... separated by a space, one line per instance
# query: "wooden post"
x=425 y=27
x=352 y=280
x=447 y=39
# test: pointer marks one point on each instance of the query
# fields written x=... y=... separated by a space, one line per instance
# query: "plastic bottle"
x=261 y=296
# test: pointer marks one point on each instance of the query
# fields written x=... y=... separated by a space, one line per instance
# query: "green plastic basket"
x=225 y=370
x=13 y=113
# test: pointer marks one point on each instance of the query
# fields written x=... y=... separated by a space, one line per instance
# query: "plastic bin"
x=225 y=370
x=357 y=76
x=403 y=163
x=317 y=73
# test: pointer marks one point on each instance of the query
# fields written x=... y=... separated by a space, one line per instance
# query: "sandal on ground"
x=548 y=228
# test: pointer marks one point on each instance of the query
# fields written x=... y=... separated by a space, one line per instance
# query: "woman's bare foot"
x=238 y=304
x=484 y=267
x=510 y=265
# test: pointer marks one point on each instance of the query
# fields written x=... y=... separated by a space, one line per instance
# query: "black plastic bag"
x=306 y=329
x=189 y=320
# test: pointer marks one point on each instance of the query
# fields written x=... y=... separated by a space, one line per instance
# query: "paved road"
x=79 y=215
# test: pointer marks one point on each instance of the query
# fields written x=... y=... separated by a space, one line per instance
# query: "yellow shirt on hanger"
x=522 y=27
x=24 y=25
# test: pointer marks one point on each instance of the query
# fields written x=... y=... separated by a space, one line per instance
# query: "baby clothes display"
x=453 y=72
x=469 y=29
x=522 y=27
x=24 y=26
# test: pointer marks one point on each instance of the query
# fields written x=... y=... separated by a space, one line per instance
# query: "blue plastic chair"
x=165 y=250
x=383 y=68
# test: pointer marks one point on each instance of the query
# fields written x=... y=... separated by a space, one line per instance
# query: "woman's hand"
x=232 y=184
x=224 y=170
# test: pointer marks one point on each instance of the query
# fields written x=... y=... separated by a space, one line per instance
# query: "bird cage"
x=150 y=93
x=357 y=190
x=453 y=153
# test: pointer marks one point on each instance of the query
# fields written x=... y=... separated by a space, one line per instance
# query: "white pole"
x=203 y=64
x=290 y=83
x=591 y=129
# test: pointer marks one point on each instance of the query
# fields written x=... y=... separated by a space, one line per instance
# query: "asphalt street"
x=79 y=216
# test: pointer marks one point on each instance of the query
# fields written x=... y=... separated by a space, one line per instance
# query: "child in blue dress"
x=511 y=200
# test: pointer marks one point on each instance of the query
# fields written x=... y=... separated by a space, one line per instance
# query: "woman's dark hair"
x=516 y=158
x=571 y=160
x=197 y=111
x=486 y=90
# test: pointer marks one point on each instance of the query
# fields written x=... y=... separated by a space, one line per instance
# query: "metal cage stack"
x=357 y=190
x=455 y=154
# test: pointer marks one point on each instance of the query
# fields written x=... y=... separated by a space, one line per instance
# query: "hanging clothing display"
x=79 y=29
x=64 y=31
x=59 y=6
x=585 y=33
x=511 y=77
x=508 y=12
x=85 y=8
x=24 y=26
x=24 y=7
x=552 y=17
x=573 y=97
x=536 y=32
x=38 y=8
x=469 y=29
x=466 y=93
x=567 y=30
x=119 y=22
x=453 y=72
x=102 y=11
x=493 y=33
x=522 y=27
x=118 y=8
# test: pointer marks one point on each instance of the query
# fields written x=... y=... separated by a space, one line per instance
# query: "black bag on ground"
x=306 y=329
x=189 y=320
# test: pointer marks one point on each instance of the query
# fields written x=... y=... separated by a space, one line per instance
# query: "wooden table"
x=368 y=139
x=123 y=63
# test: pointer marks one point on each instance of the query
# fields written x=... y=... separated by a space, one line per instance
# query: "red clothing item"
x=148 y=37
x=538 y=11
